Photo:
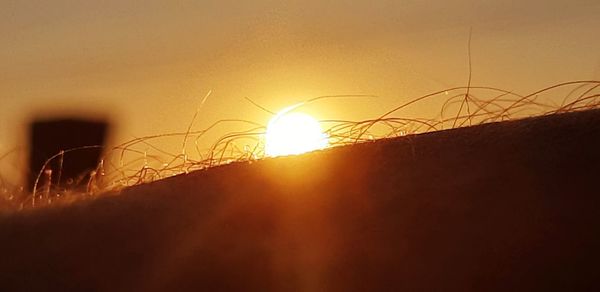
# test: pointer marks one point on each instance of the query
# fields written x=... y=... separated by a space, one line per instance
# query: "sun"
x=290 y=133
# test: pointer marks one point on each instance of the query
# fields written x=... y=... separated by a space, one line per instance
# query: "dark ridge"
x=498 y=207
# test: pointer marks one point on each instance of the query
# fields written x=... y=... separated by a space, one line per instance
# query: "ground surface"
x=498 y=207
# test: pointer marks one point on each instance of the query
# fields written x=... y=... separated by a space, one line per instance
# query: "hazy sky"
x=148 y=63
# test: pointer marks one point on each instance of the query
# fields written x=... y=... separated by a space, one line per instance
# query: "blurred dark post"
x=71 y=169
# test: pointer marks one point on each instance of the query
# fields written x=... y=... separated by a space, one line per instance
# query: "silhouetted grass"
x=140 y=161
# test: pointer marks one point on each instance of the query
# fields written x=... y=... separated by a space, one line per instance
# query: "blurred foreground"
x=495 y=207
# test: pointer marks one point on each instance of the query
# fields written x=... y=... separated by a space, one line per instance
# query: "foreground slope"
x=498 y=207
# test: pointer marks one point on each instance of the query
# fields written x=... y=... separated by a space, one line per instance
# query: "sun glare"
x=290 y=133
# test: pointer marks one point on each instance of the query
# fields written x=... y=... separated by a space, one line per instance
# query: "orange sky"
x=148 y=64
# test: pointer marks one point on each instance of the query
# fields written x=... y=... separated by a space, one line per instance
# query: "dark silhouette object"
x=511 y=206
x=50 y=137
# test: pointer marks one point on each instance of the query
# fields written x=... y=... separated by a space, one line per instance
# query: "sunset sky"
x=147 y=64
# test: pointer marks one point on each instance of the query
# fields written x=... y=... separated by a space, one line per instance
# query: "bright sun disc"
x=293 y=133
